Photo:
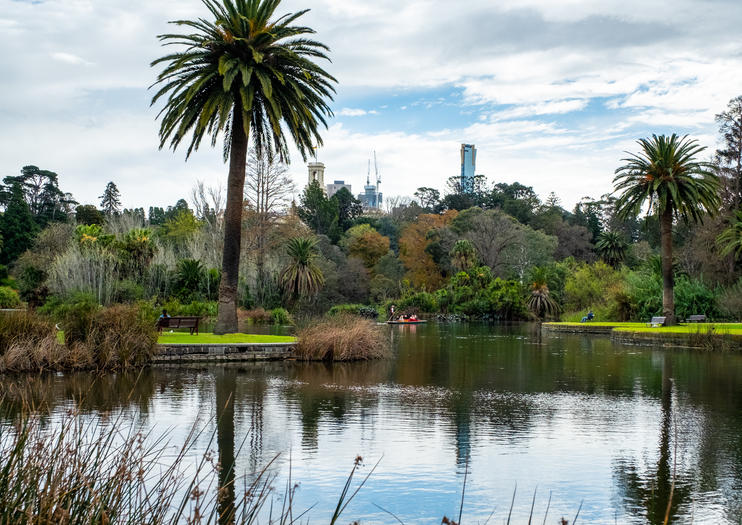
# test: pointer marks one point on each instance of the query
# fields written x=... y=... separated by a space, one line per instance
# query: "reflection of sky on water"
x=572 y=417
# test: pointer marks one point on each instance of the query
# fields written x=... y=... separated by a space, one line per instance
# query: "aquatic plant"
x=342 y=338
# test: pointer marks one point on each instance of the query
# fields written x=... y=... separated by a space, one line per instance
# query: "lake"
x=578 y=420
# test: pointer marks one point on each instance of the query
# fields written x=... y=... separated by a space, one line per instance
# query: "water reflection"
x=577 y=416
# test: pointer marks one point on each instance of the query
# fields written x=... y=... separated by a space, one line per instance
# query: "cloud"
x=70 y=59
x=355 y=112
x=551 y=92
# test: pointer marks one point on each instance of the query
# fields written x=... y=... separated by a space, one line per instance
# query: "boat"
x=401 y=321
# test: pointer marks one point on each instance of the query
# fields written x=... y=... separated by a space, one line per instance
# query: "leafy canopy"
x=244 y=63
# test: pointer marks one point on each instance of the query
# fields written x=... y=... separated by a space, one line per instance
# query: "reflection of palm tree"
x=226 y=381
x=653 y=491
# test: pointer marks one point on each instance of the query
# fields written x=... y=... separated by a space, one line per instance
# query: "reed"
x=342 y=338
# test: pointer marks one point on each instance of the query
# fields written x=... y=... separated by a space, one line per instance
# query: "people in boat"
x=391 y=310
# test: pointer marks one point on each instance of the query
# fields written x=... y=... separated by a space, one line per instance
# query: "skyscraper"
x=468 y=164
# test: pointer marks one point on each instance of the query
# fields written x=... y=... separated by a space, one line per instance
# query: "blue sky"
x=551 y=92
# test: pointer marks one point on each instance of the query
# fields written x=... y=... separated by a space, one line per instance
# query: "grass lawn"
x=683 y=329
x=207 y=338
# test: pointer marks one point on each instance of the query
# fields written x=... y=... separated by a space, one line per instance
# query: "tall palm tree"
x=611 y=247
x=666 y=175
x=249 y=77
x=302 y=277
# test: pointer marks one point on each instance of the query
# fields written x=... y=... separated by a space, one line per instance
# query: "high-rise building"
x=468 y=163
x=372 y=198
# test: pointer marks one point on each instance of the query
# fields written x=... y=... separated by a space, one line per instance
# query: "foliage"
x=88 y=214
x=591 y=286
x=612 y=248
x=342 y=338
x=318 y=212
x=40 y=190
x=421 y=268
x=9 y=297
x=353 y=309
x=302 y=277
x=463 y=255
x=25 y=326
x=188 y=279
x=366 y=244
x=280 y=316
x=540 y=302
x=110 y=201
x=17 y=226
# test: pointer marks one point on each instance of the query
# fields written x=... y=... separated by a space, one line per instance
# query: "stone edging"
x=170 y=353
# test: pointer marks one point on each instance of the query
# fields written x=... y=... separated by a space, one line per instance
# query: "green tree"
x=666 y=175
x=17 y=226
x=729 y=157
x=318 y=212
x=612 y=248
x=349 y=208
x=463 y=255
x=88 y=214
x=429 y=198
x=730 y=240
x=301 y=277
x=110 y=201
x=540 y=302
x=248 y=76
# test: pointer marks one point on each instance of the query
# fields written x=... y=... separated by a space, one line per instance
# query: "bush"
x=342 y=338
x=342 y=309
x=27 y=326
x=9 y=297
x=127 y=291
x=280 y=316
x=121 y=336
x=256 y=315
x=76 y=317
x=730 y=302
x=198 y=309
x=423 y=301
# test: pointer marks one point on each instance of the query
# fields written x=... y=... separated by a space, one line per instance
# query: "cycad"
x=248 y=76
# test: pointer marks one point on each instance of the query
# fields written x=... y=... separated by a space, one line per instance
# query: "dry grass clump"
x=257 y=315
x=342 y=338
x=121 y=337
x=23 y=326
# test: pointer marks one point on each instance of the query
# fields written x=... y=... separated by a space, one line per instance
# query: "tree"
x=17 y=226
x=666 y=175
x=612 y=248
x=42 y=194
x=729 y=157
x=318 y=212
x=250 y=77
x=301 y=277
x=365 y=243
x=421 y=268
x=349 y=208
x=730 y=240
x=540 y=302
x=110 y=201
x=428 y=198
x=88 y=214
x=463 y=255
x=268 y=190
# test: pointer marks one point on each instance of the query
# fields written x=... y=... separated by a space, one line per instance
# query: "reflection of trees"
x=651 y=491
x=225 y=384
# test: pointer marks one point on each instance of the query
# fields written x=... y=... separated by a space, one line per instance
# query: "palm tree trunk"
x=227 y=317
x=668 y=281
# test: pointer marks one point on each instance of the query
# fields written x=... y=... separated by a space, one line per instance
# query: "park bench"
x=696 y=319
x=190 y=322
x=657 y=321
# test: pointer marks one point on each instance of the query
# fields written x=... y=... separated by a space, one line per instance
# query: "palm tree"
x=730 y=240
x=302 y=277
x=666 y=175
x=463 y=255
x=540 y=302
x=249 y=77
x=611 y=247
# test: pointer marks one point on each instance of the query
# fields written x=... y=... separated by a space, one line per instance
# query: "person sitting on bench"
x=589 y=317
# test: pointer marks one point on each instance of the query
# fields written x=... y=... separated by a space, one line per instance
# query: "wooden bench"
x=696 y=319
x=179 y=322
x=657 y=321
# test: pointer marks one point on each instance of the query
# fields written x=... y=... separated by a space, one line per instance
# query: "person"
x=590 y=315
x=164 y=314
x=161 y=321
x=391 y=309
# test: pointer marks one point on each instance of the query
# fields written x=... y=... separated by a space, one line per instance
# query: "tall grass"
x=342 y=338
x=88 y=471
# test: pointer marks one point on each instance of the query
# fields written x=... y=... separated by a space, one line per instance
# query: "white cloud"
x=355 y=112
x=70 y=59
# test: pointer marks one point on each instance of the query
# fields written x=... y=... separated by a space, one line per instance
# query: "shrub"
x=8 y=297
x=730 y=302
x=343 y=309
x=121 y=336
x=199 y=309
x=423 y=301
x=256 y=315
x=127 y=291
x=280 y=316
x=342 y=338
x=76 y=317
x=27 y=326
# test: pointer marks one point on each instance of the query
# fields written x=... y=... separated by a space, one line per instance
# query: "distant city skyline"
x=551 y=92
x=468 y=163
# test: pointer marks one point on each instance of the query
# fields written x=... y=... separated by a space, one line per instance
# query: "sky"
x=551 y=92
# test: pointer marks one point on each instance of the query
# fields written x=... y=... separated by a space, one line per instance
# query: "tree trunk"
x=668 y=280
x=227 y=316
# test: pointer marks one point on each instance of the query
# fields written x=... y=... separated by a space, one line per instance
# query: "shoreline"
x=709 y=336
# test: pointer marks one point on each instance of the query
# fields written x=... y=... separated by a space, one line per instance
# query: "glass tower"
x=468 y=163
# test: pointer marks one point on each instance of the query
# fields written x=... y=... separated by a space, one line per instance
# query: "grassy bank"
x=184 y=338
x=681 y=329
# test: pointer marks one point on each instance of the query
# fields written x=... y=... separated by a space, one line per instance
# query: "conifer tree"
x=111 y=200
x=17 y=226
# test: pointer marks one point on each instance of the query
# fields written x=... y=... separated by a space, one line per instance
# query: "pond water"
x=576 y=419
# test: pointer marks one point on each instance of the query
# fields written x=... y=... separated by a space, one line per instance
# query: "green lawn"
x=690 y=328
x=207 y=338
